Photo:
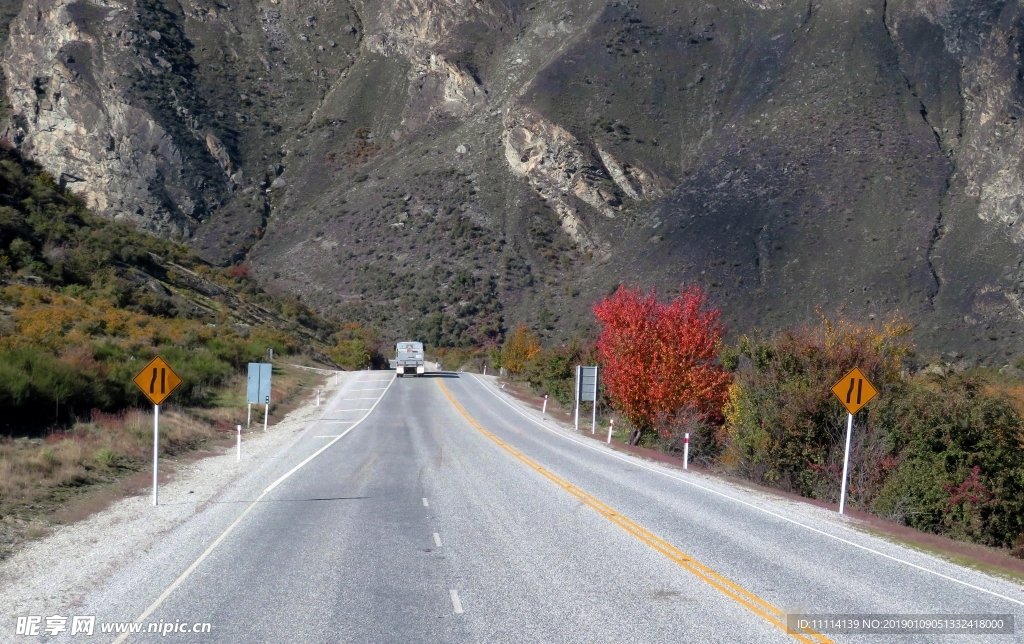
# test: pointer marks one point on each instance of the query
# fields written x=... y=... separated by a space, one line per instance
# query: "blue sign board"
x=258 y=390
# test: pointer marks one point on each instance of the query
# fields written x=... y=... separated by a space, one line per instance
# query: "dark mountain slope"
x=447 y=168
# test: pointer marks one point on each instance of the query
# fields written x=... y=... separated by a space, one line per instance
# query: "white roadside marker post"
x=156 y=452
x=686 y=451
x=266 y=413
x=485 y=370
x=846 y=463
x=611 y=424
x=239 y=442
x=577 y=413
x=544 y=409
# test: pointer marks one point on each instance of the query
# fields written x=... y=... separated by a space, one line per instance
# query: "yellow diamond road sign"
x=157 y=380
x=854 y=391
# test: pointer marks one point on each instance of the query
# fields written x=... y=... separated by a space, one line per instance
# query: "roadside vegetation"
x=85 y=303
x=939 y=450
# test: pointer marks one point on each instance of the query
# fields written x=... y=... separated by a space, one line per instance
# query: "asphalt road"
x=450 y=514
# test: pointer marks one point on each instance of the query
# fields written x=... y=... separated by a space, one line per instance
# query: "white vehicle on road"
x=409 y=359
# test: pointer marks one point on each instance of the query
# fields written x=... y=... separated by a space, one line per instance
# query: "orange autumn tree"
x=520 y=347
x=660 y=358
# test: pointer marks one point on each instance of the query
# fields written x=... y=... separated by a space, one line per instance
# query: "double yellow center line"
x=738 y=594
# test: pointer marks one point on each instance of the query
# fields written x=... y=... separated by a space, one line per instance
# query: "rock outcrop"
x=784 y=154
x=550 y=159
x=635 y=182
x=73 y=112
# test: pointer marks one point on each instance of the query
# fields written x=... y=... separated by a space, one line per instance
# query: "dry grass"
x=34 y=470
x=68 y=475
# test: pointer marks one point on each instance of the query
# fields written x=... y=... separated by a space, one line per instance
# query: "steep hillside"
x=447 y=168
x=85 y=302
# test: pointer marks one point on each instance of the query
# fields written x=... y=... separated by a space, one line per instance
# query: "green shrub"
x=784 y=428
x=105 y=456
x=956 y=458
x=938 y=453
x=553 y=371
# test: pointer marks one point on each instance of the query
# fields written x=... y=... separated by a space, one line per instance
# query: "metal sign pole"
x=248 y=421
x=156 y=451
x=593 y=422
x=579 y=384
x=846 y=463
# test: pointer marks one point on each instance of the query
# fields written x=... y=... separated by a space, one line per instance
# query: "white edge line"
x=456 y=602
x=369 y=389
x=639 y=463
x=363 y=398
x=218 y=540
x=437 y=540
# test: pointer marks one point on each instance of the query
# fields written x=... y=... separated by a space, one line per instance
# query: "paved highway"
x=449 y=513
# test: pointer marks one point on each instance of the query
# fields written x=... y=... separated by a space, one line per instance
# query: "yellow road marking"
x=755 y=604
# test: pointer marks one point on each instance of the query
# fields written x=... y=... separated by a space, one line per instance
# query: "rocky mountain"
x=446 y=168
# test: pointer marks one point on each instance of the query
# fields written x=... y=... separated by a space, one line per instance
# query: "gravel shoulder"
x=57 y=572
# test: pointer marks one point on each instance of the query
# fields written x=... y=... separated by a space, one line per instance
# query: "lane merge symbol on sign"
x=157 y=380
x=854 y=391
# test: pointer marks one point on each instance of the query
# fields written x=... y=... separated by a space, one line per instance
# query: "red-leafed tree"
x=660 y=358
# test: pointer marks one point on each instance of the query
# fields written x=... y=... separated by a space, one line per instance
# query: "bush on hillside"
x=784 y=428
x=553 y=371
x=955 y=460
x=521 y=346
x=660 y=358
x=357 y=347
x=939 y=453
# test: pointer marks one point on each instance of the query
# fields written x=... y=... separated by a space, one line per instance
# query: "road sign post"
x=258 y=388
x=853 y=391
x=586 y=390
x=156 y=454
x=577 y=412
x=156 y=380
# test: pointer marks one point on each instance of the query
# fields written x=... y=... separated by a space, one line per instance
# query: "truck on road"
x=409 y=359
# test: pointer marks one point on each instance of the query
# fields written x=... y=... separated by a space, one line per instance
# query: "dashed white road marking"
x=364 y=398
x=437 y=540
x=426 y=504
x=456 y=603
x=224 y=535
x=369 y=389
